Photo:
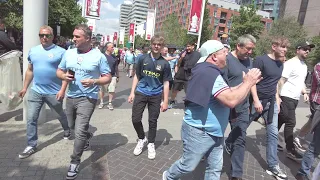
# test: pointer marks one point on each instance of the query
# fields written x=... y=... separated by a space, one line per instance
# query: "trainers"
x=67 y=134
x=27 y=152
x=86 y=147
x=110 y=106
x=280 y=148
x=227 y=148
x=277 y=173
x=297 y=144
x=73 y=171
x=138 y=149
x=294 y=155
x=151 y=151
x=171 y=104
x=164 y=175
x=100 y=105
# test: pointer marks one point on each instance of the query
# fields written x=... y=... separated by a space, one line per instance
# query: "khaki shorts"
x=130 y=66
x=111 y=86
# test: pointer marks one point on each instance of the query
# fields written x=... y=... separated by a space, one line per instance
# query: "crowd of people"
x=222 y=85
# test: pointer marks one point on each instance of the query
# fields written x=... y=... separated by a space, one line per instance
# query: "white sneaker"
x=141 y=143
x=73 y=171
x=100 y=105
x=297 y=144
x=151 y=151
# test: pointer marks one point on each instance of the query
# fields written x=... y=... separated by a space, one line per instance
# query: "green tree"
x=248 y=22
x=140 y=41
x=314 y=56
x=67 y=13
x=172 y=31
x=285 y=27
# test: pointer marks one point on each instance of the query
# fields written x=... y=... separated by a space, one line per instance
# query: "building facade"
x=133 y=13
x=271 y=6
x=220 y=14
x=125 y=10
x=307 y=13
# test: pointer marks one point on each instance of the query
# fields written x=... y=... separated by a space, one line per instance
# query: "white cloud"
x=107 y=26
x=108 y=7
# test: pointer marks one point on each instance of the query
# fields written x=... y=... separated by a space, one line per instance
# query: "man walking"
x=47 y=88
x=6 y=44
x=85 y=69
x=183 y=71
x=266 y=100
x=207 y=111
x=292 y=86
x=238 y=61
x=130 y=60
x=151 y=80
x=113 y=64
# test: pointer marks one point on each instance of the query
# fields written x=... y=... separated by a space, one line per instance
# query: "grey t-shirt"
x=233 y=72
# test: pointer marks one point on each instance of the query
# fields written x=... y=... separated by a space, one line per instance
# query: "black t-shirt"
x=187 y=63
x=113 y=64
x=233 y=72
x=271 y=72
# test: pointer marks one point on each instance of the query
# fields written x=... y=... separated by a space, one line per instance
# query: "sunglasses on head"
x=43 y=35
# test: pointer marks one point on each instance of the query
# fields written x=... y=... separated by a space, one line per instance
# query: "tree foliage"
x=140 y=41
x=285 y=27
x=248 y=22
x=66 y=13
x=206 y=32
x=314 y=56
x=172 y=31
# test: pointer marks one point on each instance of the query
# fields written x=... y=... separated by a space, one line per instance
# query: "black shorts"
x=178 y=85
x=170 y=84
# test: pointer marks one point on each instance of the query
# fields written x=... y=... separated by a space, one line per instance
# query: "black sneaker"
x=280 y=148
x=27 y=152
x=277 y=173
x=73 y=171
x=87 y=146
x=67 y=134
x=171 y=104
x=227 y=148
x=294 y=155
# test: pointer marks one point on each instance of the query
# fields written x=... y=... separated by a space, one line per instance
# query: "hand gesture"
x=22 y=93
x=68 y=77
x=131 y=98
x=253 y=76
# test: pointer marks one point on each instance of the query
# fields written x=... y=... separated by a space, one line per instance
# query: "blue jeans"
x=312 y=152
x=236 y=141
x=35 y=103
x=272 y=135
x=196 y=144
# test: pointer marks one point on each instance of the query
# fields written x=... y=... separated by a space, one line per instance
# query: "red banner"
x=131 y=33
x=195 y=16
x=115 y=38
x=92 y=8
x=108 y=38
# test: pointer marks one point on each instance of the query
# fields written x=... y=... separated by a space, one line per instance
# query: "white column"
x=35 y=15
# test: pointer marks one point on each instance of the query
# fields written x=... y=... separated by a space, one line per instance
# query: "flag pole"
x=201 y=22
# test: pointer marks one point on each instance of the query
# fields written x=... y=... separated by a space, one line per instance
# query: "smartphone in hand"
x=71 y=72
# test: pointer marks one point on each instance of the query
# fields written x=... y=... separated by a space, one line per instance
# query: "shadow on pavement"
x=8 y=115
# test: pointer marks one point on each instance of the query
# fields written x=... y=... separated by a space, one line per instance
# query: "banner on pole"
x=92 y=9
x=121 y=36
x=150 y=24
x=131 y=33
x=108 y=38
x=195 y=17
x=115 y=38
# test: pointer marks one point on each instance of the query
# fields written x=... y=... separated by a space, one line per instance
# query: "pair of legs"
x=35 y=103
x=287 y=116
x=130 y=69
x=306 y=128
x=196 y=144
x=138 y=107
x=177 y=86
x=111 y=90
x=79 y=112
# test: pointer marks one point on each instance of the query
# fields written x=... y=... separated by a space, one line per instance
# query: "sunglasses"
x=43 y=35
x=306 y=49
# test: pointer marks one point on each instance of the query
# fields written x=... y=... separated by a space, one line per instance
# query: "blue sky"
x=109 y=17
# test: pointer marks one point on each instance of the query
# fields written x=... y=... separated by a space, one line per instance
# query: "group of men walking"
x=221 y=87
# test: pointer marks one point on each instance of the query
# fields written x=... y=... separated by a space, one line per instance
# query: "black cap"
x=305 y=44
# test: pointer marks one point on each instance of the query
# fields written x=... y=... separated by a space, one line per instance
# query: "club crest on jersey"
x=79 y=60
x=50 y=55
x=158 y=67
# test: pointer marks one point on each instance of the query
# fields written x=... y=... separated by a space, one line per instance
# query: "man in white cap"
x=207 y=112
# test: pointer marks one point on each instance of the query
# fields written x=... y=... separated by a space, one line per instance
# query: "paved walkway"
x=110 y=156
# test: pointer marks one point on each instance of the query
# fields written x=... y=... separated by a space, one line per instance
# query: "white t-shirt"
x=295 y=71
